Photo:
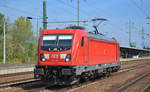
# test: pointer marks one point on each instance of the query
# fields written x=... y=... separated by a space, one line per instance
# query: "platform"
x=15 y=68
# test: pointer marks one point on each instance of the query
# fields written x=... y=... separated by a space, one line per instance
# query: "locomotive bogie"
x=66 y=75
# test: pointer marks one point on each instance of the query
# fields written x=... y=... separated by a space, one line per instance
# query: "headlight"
x=43 y=57
x=68 y=57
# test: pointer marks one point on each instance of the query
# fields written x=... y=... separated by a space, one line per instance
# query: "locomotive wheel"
x=75 y=80
x=84 y=77
x=108 y=73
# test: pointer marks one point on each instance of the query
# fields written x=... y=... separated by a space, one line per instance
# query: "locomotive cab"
x=58 y=54
x=60 y=47
x=56 y=43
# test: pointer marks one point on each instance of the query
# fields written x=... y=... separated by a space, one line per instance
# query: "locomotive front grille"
x=54 y=70
x=66 y=72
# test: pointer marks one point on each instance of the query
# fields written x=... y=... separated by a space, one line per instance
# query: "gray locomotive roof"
x=101 y=37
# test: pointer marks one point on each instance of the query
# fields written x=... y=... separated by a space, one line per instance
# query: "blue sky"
x=118 y=13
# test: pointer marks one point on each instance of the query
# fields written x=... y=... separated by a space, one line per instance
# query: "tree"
x=1 y=23
x=18 y=49
x=1 y=35
x=133 y=44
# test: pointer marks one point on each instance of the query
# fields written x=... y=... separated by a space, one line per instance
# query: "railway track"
x=132 y=67
x=36 y=85
x=146 y=88
x=8 y=76
x=10 y=79
x=114 y=74
x=132 y=82
x=72 y=88
x=15 y=74
x=18 y=82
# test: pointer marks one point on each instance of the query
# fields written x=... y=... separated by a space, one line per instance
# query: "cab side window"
x=82 y=42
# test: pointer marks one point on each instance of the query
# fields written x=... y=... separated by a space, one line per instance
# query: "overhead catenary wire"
x=61 y=2
x=75 y=8
x=76 y=14
x=140 y=8
x=68 y=21
x=27 y=2
x=18 y=10
x=148 y=10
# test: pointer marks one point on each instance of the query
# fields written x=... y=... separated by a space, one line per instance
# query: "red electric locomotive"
x=66 y=56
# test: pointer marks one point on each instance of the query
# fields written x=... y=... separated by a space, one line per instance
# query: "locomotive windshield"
x=56 y=42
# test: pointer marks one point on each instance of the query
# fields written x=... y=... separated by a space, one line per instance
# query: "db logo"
x=54 y=55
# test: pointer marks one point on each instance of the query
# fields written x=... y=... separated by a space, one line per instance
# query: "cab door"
x=84 y=46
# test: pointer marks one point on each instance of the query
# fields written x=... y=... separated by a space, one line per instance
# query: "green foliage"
x=133 y=44
x=17 y=36
x=1 y=23
x=22 y=32
x=1 y=36
x=148 y=48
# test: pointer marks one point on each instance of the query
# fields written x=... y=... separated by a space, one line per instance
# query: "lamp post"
x=37 y=26
x=4 y=47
